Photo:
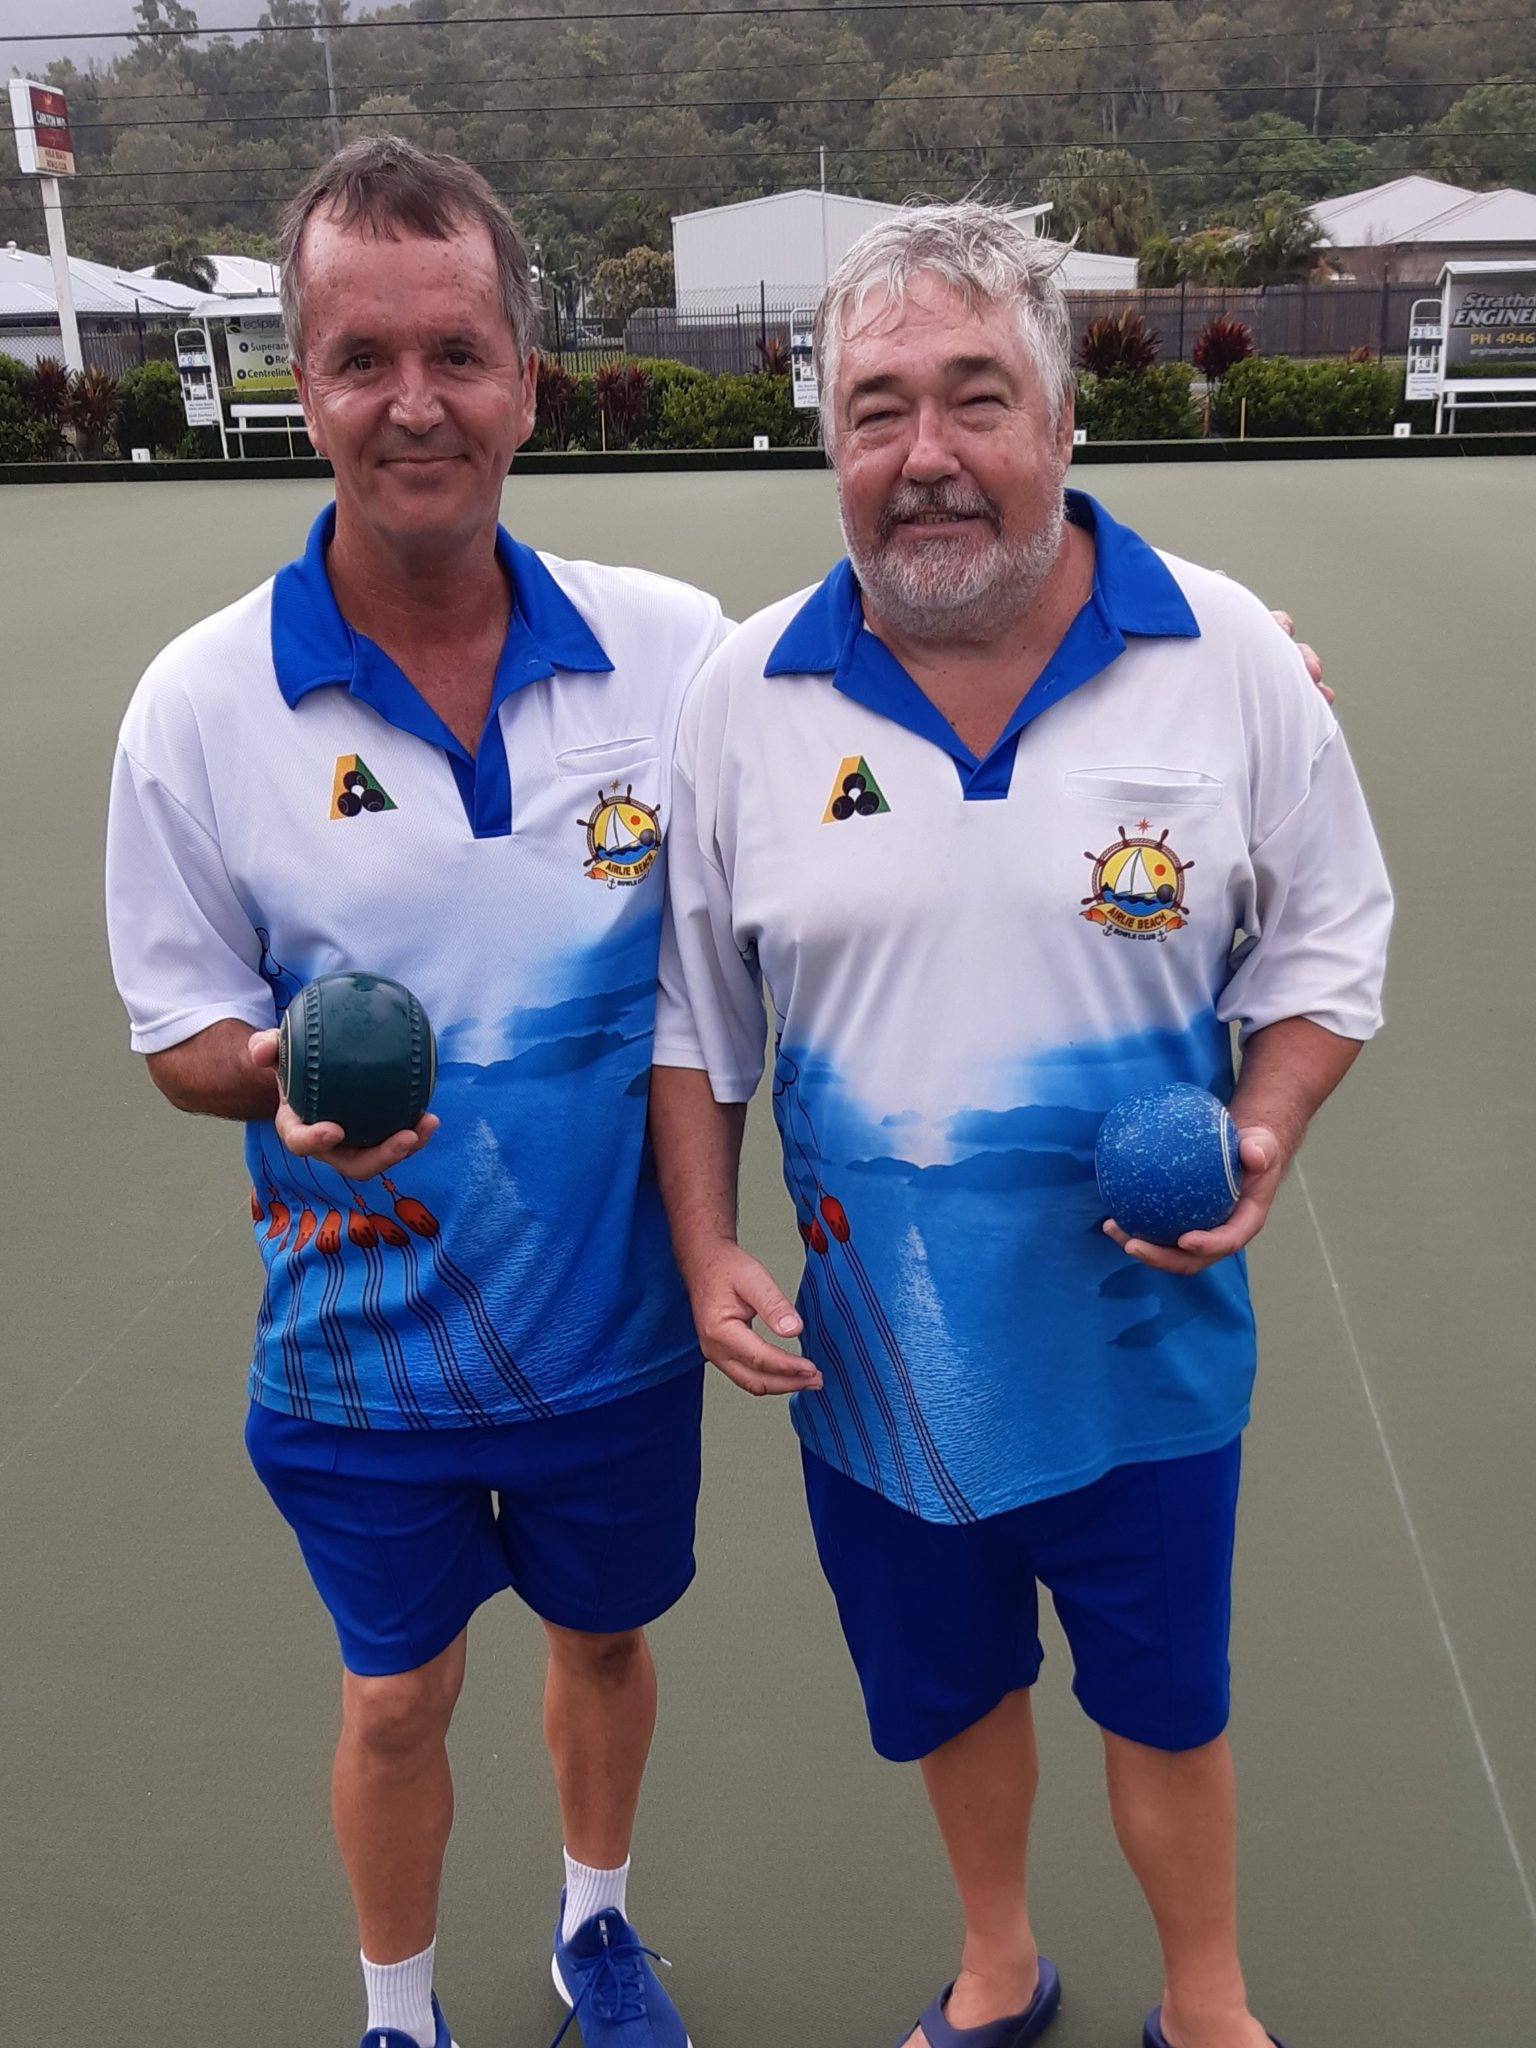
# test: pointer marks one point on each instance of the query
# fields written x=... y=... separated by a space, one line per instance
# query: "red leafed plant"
x=1360 y=355
x=556 y=389
x=773 y=357
x=1119 y=346
x=1219 y=345
x=623 y=391
x=92 y=410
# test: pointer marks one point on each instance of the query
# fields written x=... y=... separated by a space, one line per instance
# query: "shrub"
x=1221 y=344
x=1315 y=397
x=551 y=419
x=150 y=413
x=1122 y=346
x=22 y=435
x=725 y=412
x=92 y=411
x=622 y=391
x=772 y=357
x=47 y=393
x=1152 y=405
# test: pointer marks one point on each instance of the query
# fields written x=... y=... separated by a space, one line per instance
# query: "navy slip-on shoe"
x=392 y=2037
x=1016 y=2031
x=1152 y=2035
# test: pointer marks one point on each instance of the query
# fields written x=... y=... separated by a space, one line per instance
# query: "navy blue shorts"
x=943 y=1621
x=588 y=1517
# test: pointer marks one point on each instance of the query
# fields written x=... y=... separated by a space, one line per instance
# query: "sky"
x=23 y=17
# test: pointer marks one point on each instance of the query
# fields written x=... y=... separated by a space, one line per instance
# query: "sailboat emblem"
x=623 y=838
x=1138 y=887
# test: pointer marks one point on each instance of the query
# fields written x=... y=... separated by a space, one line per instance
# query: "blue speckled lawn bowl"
x=1167 y=1161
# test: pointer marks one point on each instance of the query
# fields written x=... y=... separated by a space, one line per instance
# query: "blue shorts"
x=943 y=1620
x=588 y=1517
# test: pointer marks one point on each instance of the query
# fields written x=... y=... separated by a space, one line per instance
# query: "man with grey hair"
x=986 y=811
x=414 y=752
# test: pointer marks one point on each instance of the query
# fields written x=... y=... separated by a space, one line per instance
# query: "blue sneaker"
x=391 y=2037
x=604 y=1975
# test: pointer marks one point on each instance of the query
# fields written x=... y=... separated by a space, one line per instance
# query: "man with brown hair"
x=415 y=751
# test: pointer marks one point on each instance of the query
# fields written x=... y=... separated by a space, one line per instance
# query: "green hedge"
x=1154 y=404
x=22 y=438
x=1313 y=397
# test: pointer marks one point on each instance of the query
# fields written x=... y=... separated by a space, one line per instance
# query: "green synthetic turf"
x=167 y=1690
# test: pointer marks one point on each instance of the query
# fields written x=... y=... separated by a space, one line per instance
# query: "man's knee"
x=398 y=1716
x=602 y=1660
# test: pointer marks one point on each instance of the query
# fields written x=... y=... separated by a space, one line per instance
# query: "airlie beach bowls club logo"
x=623 y=839
x=1138 y=887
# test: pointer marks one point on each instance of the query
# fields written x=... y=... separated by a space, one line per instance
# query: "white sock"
x=400 y=1996
x=589 y=1891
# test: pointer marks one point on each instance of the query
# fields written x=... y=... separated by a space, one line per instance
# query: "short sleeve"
x=1322 y=910
x=709 y=1010
x=184 y=953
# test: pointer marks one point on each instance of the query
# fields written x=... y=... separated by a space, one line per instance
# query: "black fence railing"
x=1289 y=320
x=106 y=344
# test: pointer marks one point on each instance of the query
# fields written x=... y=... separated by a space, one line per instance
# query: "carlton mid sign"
x=44 y=146
x=1491 y=319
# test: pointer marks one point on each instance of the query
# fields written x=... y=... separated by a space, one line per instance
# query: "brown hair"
x=393 y=188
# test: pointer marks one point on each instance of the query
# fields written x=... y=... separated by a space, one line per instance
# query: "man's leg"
x=392 y=1800
x=599 y=1714
x=1175 y=1813
x=981 y=1786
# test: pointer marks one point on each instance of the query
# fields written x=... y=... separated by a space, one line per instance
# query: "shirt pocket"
x=1147 y=789
x=607 y=761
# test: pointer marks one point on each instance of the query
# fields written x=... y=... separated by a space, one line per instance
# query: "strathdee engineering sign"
x=1492 y=319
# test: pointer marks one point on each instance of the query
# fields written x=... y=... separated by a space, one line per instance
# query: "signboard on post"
x=1488 y=356
x=259 y=357
x=40 y=116
x=1424 y=338
x=802 y=362
x=1491 y=318
x=199 y=387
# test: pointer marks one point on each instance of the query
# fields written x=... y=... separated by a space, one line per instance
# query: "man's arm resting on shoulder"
x=697 y=1142
x=230 y=1071
x=1289 y=1071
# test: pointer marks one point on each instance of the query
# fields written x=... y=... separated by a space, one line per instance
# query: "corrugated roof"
x=1504 y=216
x=236 y=277
x=27 y=293
x=1384 y=213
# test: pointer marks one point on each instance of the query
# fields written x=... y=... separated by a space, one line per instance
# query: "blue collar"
x=313 y=647
x=312 y=644
x=1133 y=593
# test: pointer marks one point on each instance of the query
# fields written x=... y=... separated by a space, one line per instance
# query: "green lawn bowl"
x=357 y=1050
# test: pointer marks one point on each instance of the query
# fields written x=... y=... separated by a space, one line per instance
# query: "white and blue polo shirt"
x=970 y=960
x=286 y=804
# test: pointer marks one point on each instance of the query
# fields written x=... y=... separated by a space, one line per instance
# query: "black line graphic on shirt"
x=281 y=1226
x=828 y=1225
x=836 y=1373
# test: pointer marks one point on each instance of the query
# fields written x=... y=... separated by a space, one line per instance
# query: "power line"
x=1202 y=174
x=880 y=99
x=755 y=8
x=767 y=155
x=1092 y=48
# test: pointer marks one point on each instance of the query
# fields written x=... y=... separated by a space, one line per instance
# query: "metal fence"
x=1288 y=320
x=111 y=345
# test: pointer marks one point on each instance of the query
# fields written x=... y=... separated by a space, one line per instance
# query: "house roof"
x=237 y=277
x=874 y=206
x=1424 y=210
x=27 y=291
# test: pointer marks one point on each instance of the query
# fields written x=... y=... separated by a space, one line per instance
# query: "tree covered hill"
x=1139 y=117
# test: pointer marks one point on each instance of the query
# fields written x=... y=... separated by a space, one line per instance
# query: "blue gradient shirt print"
x=969 y=960
x=286 y=804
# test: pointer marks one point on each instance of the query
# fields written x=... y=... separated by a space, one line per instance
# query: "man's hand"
x=1264 y=1161
x=1308 y=654
x=728 y=1287
x=327 y=1142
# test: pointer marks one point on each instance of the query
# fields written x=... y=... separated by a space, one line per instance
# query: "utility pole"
x=826 y=246
x=63 y=284
x=330 y=85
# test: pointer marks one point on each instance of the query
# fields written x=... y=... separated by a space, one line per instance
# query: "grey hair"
x=393 y=188
x=982 y=256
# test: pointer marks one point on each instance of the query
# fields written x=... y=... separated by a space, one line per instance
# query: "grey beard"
x=923 y=602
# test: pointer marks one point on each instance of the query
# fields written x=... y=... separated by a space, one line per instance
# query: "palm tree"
x=181 y=261
x=1280 y=241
